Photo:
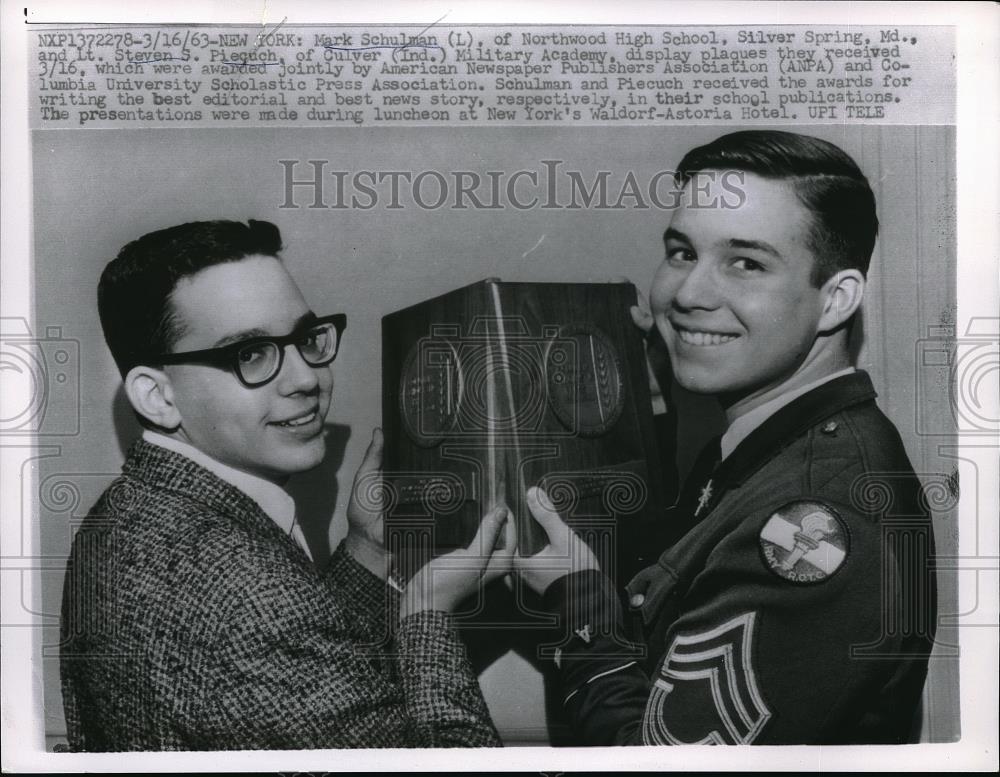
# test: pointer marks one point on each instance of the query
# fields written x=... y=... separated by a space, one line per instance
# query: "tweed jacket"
x=191 y=621
x=799 y=608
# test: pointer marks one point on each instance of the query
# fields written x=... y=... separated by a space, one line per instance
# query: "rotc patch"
x=804 y=542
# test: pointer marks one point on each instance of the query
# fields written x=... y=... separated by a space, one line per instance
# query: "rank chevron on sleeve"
x=707 y=691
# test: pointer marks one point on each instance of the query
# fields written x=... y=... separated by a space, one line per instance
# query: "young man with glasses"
x=193 y=617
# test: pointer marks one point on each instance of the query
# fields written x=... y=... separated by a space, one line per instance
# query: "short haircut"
x=135 y=290
x=826 y=180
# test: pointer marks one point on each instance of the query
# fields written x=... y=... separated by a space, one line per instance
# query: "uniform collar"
x=741 y=428
x=272 y=499
x=786 y=424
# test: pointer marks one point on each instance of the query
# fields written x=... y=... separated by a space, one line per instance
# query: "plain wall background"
x=95 y=191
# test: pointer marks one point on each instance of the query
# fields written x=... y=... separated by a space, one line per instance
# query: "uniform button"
x=829 y=427
x=637 y=600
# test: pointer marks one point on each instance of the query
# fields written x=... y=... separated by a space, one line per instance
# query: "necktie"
x=665 y=428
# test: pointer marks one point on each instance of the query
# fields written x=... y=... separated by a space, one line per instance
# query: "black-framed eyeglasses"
x=257 y=360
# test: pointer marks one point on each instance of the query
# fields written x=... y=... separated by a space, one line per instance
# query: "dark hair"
x=826 y=180
x=133 y=296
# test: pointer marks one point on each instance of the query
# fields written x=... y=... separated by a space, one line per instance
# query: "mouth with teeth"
x=703 y=338
x=299 y=421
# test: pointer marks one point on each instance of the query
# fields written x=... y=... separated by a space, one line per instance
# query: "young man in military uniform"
x=798 y=606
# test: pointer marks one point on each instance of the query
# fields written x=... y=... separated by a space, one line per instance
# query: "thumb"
x=545 y=513
x=641 y=318
x=489 y=531
x=502 y=561
x=373 y=456
x=368 y=495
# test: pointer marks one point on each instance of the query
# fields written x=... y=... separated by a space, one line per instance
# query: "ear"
x=152 y=395
x=842 y=294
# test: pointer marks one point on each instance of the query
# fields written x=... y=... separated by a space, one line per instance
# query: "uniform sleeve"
x=602 y=681
x=295 y=669
x=787 y=635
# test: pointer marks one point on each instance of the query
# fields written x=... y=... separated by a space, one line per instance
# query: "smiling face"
x=274 y=430
x=733 y=298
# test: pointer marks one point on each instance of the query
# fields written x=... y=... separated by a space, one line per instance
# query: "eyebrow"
x=733 y=242
x=756 y=245
x=675 y=234
x=247 y=334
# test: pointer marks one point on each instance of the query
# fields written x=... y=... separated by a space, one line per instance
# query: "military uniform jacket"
x=800 y=608
x=191 y=621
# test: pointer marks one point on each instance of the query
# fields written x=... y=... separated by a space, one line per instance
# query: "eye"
x=680 y=254
x=252 y=354
x=312 y=339
x=748 y=265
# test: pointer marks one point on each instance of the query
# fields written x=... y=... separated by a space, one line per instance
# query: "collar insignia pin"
x=703 y=499
x=584 y=633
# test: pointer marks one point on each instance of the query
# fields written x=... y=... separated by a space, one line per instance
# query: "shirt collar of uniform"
x=793 y=420
x=273 y=499
x=742 y=426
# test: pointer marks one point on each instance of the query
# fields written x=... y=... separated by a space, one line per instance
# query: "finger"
x=510 y=535
x=489 y=530
x=373 y=456
x=641 y=318
x=367 y=493
x=372 y=462
x=639 y=584
x=502 y=560
x=545 y=513
x=499 y=565
x=619 y=279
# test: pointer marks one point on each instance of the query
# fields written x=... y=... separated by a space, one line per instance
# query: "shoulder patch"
x=804 y=542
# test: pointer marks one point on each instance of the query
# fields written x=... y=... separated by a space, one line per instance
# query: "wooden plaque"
x=495 y=387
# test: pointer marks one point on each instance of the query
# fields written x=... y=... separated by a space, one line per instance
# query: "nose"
x=699 y=290
x=296 y=376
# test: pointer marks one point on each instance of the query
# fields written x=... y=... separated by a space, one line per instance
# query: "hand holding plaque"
x=564 y=554
x=443 y=582
x=495 y=388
